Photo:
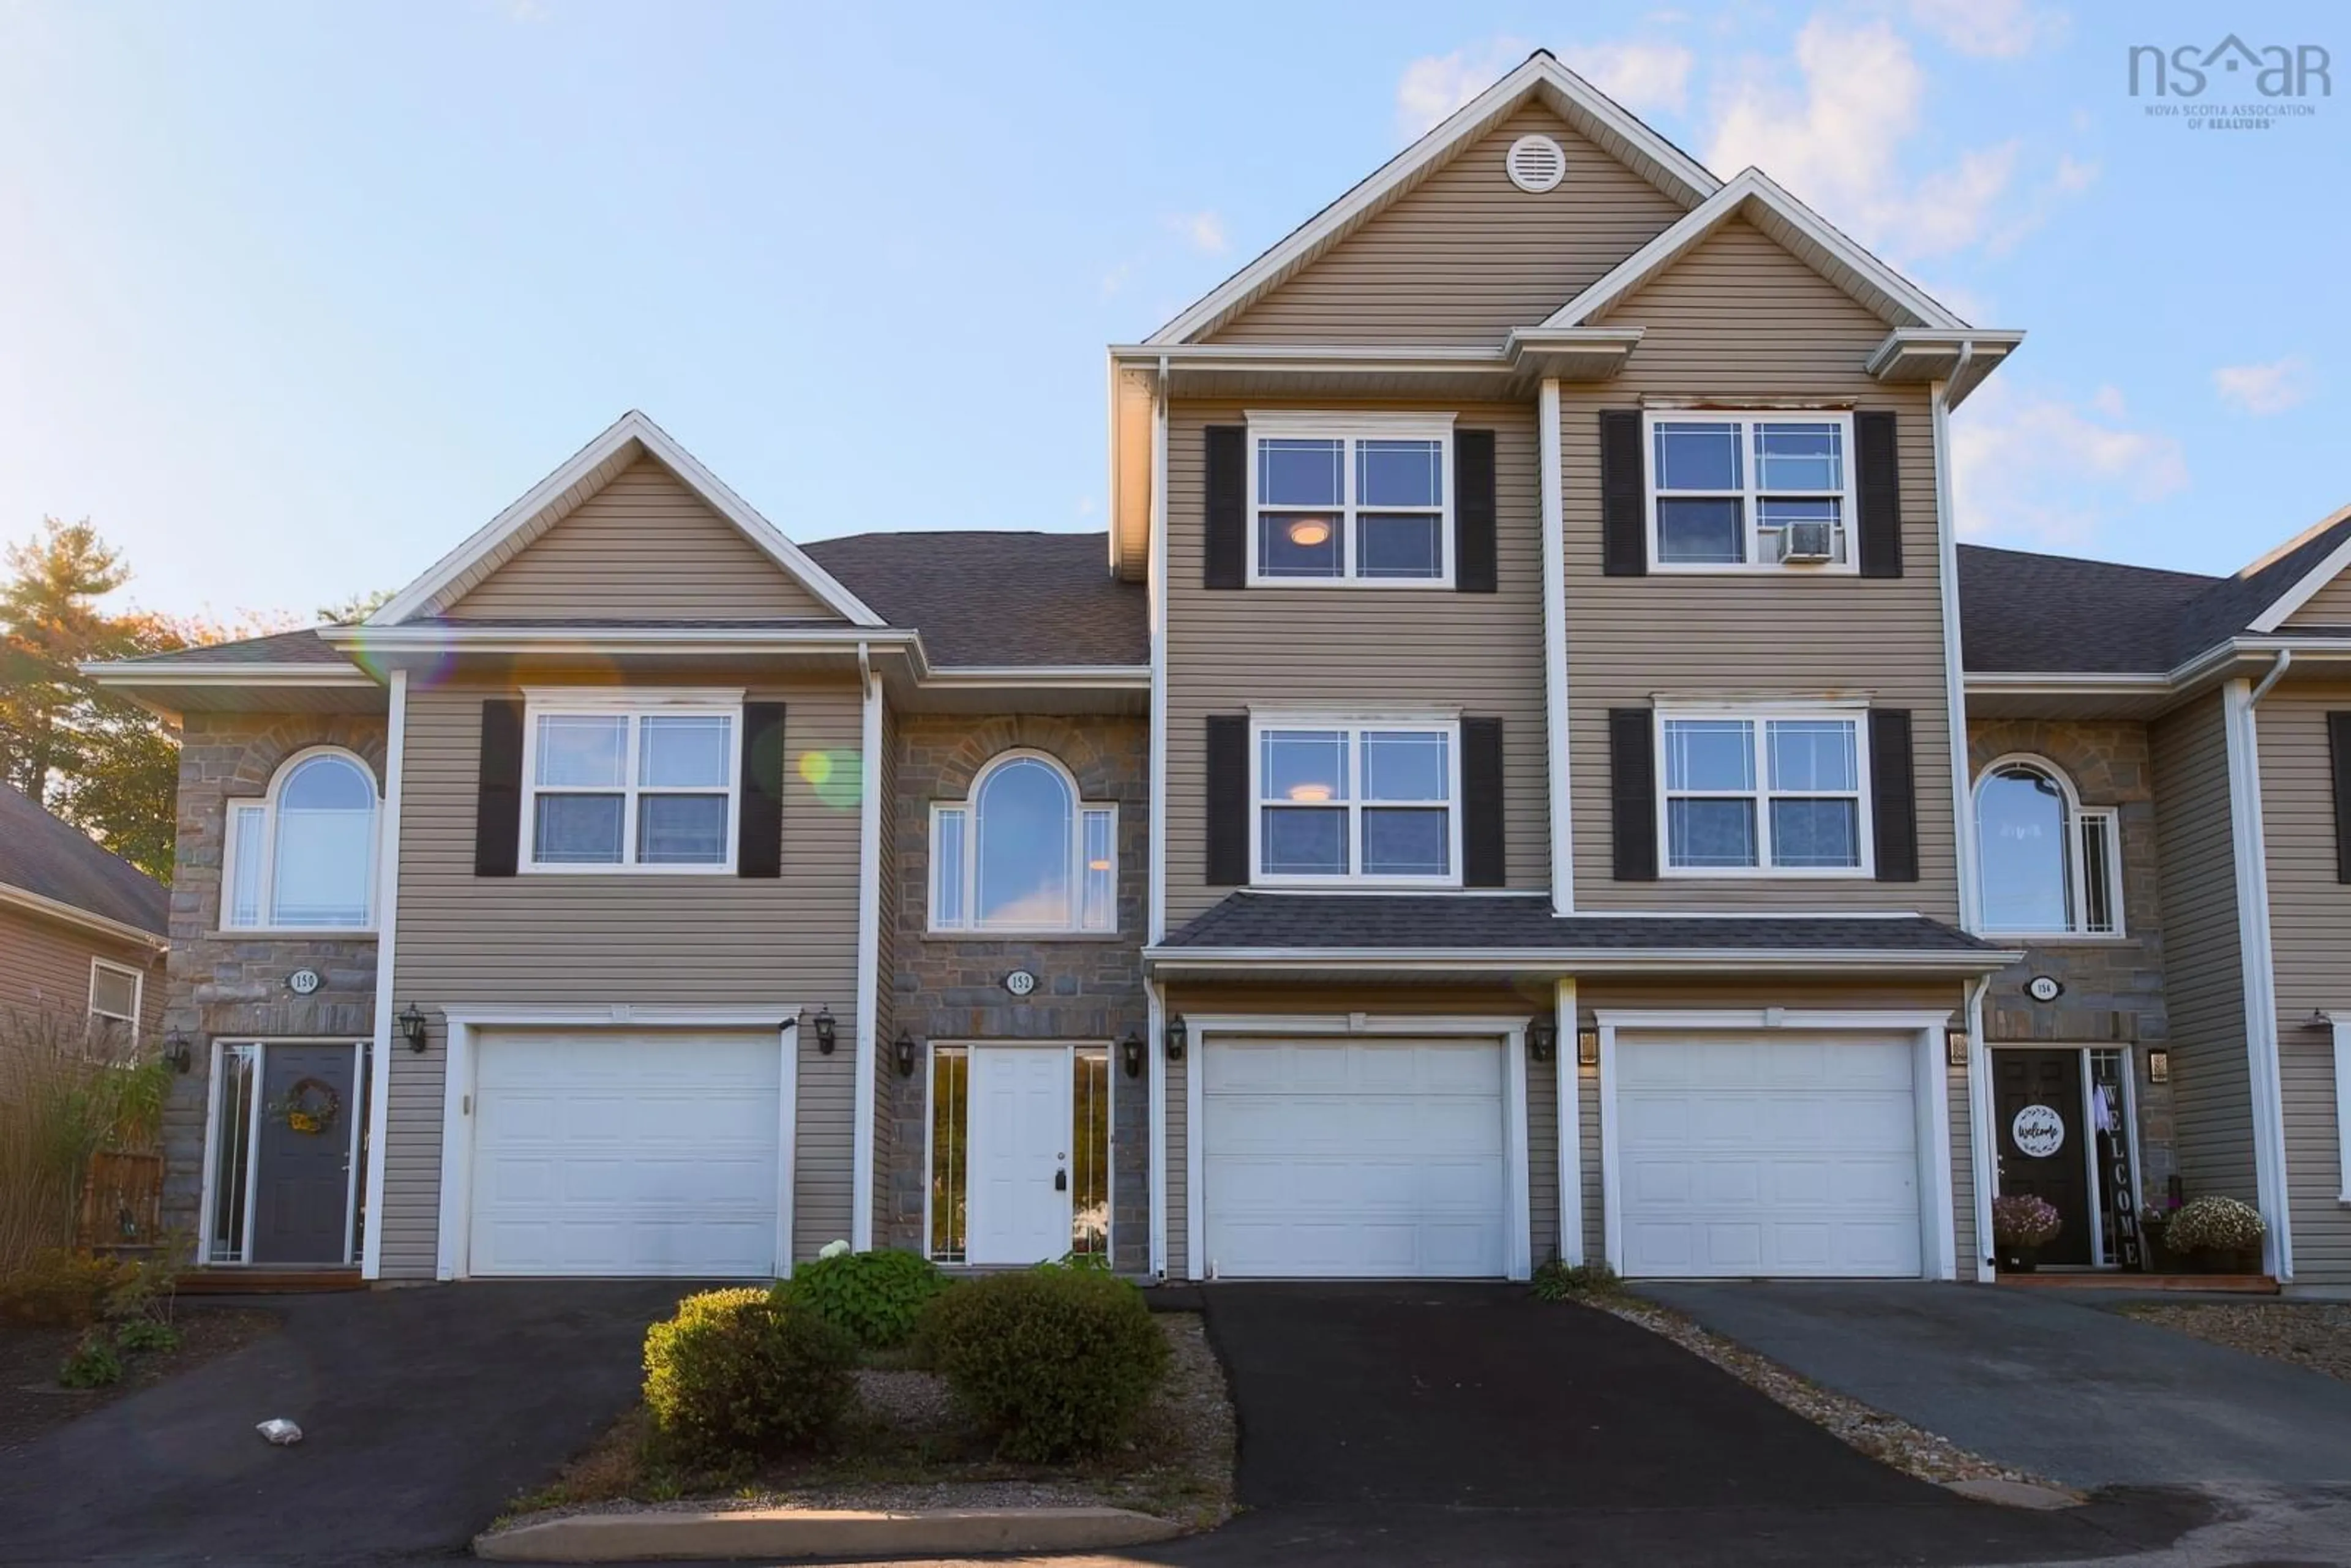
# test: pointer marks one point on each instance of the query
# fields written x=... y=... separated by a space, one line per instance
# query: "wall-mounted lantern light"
x=906 y=1048
x=828 y=1034
x=2159 y=1065
x=178 y=1051
x=412 y=1027
x=1955 y=1047
x=1176 y=1032
x=1587 y=1047
x=1542 y=1039
x=1131 y=1048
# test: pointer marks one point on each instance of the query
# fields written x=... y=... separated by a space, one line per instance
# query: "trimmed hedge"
x=876 y=1297
x=741 y=1374
x=1058 y=1363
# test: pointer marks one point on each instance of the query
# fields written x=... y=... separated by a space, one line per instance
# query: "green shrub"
x=874 y=1297
x=1057 y=1362
x=1557 y=1280
x=139 y=1336
x=92 y=1365
x=62 y=1289
x=740 y=1375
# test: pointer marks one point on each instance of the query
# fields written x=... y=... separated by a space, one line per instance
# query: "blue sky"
x=293 y=297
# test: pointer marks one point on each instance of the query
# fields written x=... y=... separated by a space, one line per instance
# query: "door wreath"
x=310 y=1107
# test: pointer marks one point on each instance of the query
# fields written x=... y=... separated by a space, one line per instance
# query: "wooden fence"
x=122 y=1205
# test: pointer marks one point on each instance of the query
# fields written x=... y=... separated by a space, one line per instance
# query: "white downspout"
x=1155 y=596
x=387 y=924
x=869 y=950
x=1554 y=604
x=2258 y=962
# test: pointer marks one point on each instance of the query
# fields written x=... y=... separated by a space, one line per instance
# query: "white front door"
x=1020 y=1153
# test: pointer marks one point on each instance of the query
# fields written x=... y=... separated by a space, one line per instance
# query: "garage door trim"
x=1929 y=1082
x=459 y=1094
x=1518 y=1244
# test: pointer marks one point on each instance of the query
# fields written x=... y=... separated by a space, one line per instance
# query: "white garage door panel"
x=1337 y=1158
x=1768 y=1157
x=625 y=1154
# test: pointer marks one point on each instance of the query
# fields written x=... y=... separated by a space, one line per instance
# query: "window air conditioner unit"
x=1808 y=541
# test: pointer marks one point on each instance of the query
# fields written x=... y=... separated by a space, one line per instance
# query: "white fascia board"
x=2059 y=683
x=129 y=672
x=1583 y=960
x=1674 y=171
x=1075 y=677
x=1751 y=185
x=632 y=426
x=49 y=908
x=496 y=639
x=2303 y=591
x=1986 y=342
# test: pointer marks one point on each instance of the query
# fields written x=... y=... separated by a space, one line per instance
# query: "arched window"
x=303 y=856
x=2050 y=865
x=1024 y=853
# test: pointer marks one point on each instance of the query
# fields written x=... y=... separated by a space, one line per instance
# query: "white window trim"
x=969 y=871
x=633 y=703
x=1291 y=425
x=234 y=849
x=1761 y=716
x=138 y=995
x=1747 y=418
x=1355 y=725
x=2077 y=871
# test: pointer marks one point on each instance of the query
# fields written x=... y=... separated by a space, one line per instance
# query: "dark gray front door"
x=302 y=1175
x=2040 y=1090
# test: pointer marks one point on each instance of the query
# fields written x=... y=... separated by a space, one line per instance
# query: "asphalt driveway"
x=2069 y=1390
x=423 y=1411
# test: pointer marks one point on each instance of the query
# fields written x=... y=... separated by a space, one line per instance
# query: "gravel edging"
x=2311 y=1334
x=1888 y=1439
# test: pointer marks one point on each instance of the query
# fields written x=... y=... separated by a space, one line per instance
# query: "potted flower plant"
x=2222 y=1235
x=2022 y=1225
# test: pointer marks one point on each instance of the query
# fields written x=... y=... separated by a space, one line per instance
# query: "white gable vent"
x=1536 y=163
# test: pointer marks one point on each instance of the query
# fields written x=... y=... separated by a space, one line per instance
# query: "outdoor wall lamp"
x=1587 y=1047
x=1542 y=1039
x=1955 y=1047
x=178 y=1051
x=1175 y=1033
x=412 y=1027
x=2159 y=1065
x=827 y=1033
x=1131 y=1048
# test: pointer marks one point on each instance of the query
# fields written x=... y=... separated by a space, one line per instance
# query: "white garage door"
x=1773 y=1156
x=603 y=1154
x=1325 y=1159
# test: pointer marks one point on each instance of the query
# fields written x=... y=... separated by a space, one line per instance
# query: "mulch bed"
x=907 y=1448
x=2316 y=1334
x=32 y=1402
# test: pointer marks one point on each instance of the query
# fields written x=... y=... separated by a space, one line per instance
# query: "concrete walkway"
x=2069 y=1390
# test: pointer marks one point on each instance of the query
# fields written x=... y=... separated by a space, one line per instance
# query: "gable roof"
x=1804 y=233
x=57 y=861
x=1592 y=112
x=2288 y=578
x=993 y=599
x=595 y=466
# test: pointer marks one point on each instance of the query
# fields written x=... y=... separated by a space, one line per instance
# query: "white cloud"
x=1435 y=85
x=1204 y=232
x=1641 y=76
x=1997 y=28
x=2036 y=469
x=2266 y=389
x=2073 y=175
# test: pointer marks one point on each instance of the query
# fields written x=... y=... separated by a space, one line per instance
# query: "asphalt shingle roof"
x=988 y=598
x=1508 y=922
x=301 y=647
x=58 y=861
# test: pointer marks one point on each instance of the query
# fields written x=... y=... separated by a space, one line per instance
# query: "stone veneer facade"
x=2114 y=989
x=230 y=985
x=1089 y=990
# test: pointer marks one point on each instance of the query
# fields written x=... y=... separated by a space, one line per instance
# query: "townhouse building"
x=1529 y=772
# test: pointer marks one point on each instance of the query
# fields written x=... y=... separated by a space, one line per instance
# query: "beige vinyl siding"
x=2329 y=607
x=644 y=547
x=565 y=940
x=1738 y=318
x=2310 y=943
x=1229 y=650
x=1389 y=1004
x=2202 y=959
x=45 y=970
x=1466 y=255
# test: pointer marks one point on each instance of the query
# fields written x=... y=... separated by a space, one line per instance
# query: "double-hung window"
x=1361 y=498
x=646 y=783
x=1732 y=492
x=115 y=991
x=1764 y=793
x=1358 y=802
x=2052 y=866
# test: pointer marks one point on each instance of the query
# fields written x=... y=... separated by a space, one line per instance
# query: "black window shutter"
x=497 y=801
x=2338 y=747
x=1481 y=802
x=1226 y=548
x=1474 y=569
x=1624 y=495
x=1893 y=797
x=1879 y=485
x=760 y=839
x=1228 y=801
x=1633 y=792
